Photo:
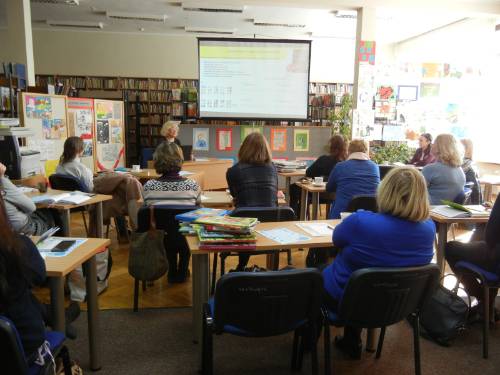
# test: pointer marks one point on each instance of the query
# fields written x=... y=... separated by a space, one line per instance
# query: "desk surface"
x=311 y=187
x=465 y=220
x=93 y=200
x=222 y=199
x=264 y=243
x=61 y=266
x=296 y=173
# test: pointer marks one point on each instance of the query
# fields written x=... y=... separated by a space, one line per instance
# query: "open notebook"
x=455 y=210
x=64 y=198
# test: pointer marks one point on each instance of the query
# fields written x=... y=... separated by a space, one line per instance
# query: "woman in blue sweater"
x=400 y=235
x=358 y=175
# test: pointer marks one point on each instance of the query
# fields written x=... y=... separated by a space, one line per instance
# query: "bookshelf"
x=324 y=98
x=12 y=81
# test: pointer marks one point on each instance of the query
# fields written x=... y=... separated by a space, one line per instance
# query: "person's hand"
x=3 y=168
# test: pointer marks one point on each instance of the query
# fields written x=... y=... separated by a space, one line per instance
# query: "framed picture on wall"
x=245 y=130
x=278 y=140
x=224 y=139
x=301 y=140
x=201 y=140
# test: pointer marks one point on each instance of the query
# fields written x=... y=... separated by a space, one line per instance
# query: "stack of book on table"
x=187 y=218
x=226 y=232
x=288 y=166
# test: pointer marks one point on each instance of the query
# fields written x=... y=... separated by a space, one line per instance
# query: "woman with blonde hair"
x=170 y=130
x=445 y=178
x=358 y=175
x=401 y=234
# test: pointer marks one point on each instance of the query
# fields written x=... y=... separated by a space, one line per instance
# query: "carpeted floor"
x=158 y=341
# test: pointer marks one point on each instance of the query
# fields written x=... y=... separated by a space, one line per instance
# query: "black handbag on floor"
x=444 y=316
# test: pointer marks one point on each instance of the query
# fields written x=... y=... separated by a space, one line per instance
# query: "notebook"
x=65 y=198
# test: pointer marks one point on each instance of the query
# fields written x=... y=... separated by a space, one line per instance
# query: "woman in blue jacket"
x=400 y=235
x=358 y=175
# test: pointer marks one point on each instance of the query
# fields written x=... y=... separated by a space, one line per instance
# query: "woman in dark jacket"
x=423 y=155
x=253 y=181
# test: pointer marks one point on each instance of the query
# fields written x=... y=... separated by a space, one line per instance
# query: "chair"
x=165 y=220
x=13 y=357
x=70 y=183
x=264 y=304
x=489 y=280
x=264 y=214
x=362 y=202
x=384 y=169
x=380 y=297
x=146 y=155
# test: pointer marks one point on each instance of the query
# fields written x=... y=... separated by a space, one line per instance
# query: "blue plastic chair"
x=264 y=304
x=13 y=357
x=489 y=280
x=146 y=155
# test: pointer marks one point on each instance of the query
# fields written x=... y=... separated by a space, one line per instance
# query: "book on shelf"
x=64 y=198
x=200 y=212
x=176 y=94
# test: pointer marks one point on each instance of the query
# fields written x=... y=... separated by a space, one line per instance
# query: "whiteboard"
x=109 y=134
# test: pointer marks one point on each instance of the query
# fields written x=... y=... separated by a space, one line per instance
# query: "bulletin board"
x=81 y=124
x=109 y=134
x=46 y=116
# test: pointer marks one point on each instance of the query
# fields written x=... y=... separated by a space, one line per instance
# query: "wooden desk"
x=288 y=178
x=489 y=181
x=149 y=174
x=222 y=199
x=200 y=274
x=443 y=224
x=66 y=208
x=315 y=191
x=57 y=269
x=215 y=171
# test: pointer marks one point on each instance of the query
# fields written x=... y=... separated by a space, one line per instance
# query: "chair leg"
x=107 y=231
x=486 y=319
x=136 y=295
x=64 y=354
x=295 y=350
x=380 y=342
x=416 y=343
x=314 y=350
x=207 y=365
x=289 y=257
x=214 y=274
x=85 y=223
x=143 y=286
x=326 y=344
x=222 y=264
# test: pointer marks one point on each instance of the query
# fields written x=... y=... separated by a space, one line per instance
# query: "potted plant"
x=341 y=117
x=392 y=153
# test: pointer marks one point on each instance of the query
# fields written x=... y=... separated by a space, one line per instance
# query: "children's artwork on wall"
x=245 y=130
x=367 y=51
x=224 y=139
x=201 y=140
x=407 y=93
x=278 y=140
x=301 y=140
x=429 y=90
x=81 y=124
x=102 y=131
x=431 y=70
x=110 y=134
x=385 y=93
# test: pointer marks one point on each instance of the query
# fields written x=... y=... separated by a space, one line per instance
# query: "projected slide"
x=253 y=79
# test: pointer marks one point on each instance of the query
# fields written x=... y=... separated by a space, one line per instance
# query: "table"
x=215 y=171
x=288 y=177
x=489 y=181
x=65 y=209
x=222 y=199
x=57 y=269
x=149 y=174
x=315 y=191
x=443 y=224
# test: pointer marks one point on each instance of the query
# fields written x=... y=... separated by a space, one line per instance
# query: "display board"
x=81 y=124
x=253 y=78
x=109 y=134
x=46 y=116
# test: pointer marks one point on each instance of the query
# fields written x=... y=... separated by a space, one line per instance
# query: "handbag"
x=445 y=315
x=147 y=258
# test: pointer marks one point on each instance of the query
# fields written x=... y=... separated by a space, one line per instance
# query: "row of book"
x=330 y=88
x=5 y=99
x=216 y=230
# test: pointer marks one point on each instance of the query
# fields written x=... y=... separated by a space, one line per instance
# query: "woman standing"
x=445 y=178
x=423 y=155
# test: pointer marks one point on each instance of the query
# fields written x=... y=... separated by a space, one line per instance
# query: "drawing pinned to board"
x=385 y=93
x=53 y=129
x=104 y=110
x=38 y=107
x=102 y=131
x=367 y=52
x=110 y=152
x=301 y=140
x=83 y=122
x=278 y=140
x=224 y=139
x=87 y=147
x=245 y=130
x=432 y=70
x=429 y=90
x=201 y=140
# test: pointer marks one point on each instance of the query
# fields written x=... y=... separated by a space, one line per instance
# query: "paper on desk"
x=283 y=235
x=26 y=189
x=202 y=159
x=316 y=229
x=185 y=173
x=204 y=198
x=46 y=246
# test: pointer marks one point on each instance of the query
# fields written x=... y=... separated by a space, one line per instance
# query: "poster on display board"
x=45 y=115
x=81 y=124
x=109 y=133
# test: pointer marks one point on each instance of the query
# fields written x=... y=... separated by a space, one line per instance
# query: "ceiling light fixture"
x=76 y=24
x=208 y=30
x=137 y=16
x=57 y=2
x=191 y=6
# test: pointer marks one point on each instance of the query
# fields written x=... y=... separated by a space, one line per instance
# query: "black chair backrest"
x=13 y=360
x=266 y=214
x=379 y=297
x=66 y=182
x=164 y=217
x=268 y=303
x=362 y=202
x=460 y=198
x=384 y=169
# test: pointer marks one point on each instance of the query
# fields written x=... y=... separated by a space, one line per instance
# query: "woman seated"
x=358 y=175
x=172 y=189
x=69 y=163
x=445 y=178
x=400 y=235
x=253 y=181
x=22 y=212
x=471 y=172
x=423 y=155
x=322 y=167
x=170 y=130
x=485 y=254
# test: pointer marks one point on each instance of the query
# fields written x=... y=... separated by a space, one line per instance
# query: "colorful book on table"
x=228 y=221
x=191 y=216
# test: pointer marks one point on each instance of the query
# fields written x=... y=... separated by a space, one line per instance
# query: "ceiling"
x=396 y=20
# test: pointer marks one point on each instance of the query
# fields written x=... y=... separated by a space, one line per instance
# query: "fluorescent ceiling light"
x=57 y=2
x=192 y=6
x=277 y=23
x=79 y=24
x=345 y=13
x=208 y=30
x=137 y=16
